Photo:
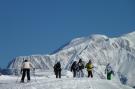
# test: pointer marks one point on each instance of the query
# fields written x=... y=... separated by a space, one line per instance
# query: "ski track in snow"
x=63 y=83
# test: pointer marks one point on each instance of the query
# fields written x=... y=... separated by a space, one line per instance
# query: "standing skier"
x=109 y=71
x=89 y=67
x=57 y=69
x=80 y=67
x=74 y=68
x=25 y=68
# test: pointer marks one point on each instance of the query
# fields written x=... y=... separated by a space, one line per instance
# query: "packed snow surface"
x=47 y=80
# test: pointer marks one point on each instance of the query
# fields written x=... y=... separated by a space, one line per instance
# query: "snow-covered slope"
x=120 y=52
x=48 y=81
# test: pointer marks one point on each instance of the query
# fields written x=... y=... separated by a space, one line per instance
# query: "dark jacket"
x=57 y=67
x=80 y=64
x=74 y=66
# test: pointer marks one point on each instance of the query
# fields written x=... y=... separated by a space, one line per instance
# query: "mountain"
x=119 y=51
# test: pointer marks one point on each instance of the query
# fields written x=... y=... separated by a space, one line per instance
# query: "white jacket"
x=27 y=65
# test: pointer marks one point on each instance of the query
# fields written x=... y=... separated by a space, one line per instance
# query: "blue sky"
x=40 y=26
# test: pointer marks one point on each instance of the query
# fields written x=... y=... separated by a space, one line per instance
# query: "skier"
x=80 y=67
x=74 y=68
x=89 y=67
x=57 y=69
x=109 y=71
x=25 y=68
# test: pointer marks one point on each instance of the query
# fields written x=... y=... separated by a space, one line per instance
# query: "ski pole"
x=18 y=76
x=17 y=79
x=34 y=75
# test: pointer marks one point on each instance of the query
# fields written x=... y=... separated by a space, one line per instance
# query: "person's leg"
x=79 y=73
x=108 y=76
x=23 y=75
x=56 y=74
x=28 y=74
x=59 y=74
x=91 y=74
x=82 y=74
x=88 y=73
x=74 y=73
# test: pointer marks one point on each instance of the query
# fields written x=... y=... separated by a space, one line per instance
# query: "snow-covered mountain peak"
x=92 y=37
x=99 y=48
x=99 y=37
x=79 y=39
x=131 y=38
x=86 y=40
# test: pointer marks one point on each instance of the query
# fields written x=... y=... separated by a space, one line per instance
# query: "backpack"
x=81 y=66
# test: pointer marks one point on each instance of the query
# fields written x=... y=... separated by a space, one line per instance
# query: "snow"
x=131 y=38
x=47 y=80
x=119 y=51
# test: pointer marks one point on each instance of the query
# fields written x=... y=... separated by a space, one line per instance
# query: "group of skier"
x=76 y=68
